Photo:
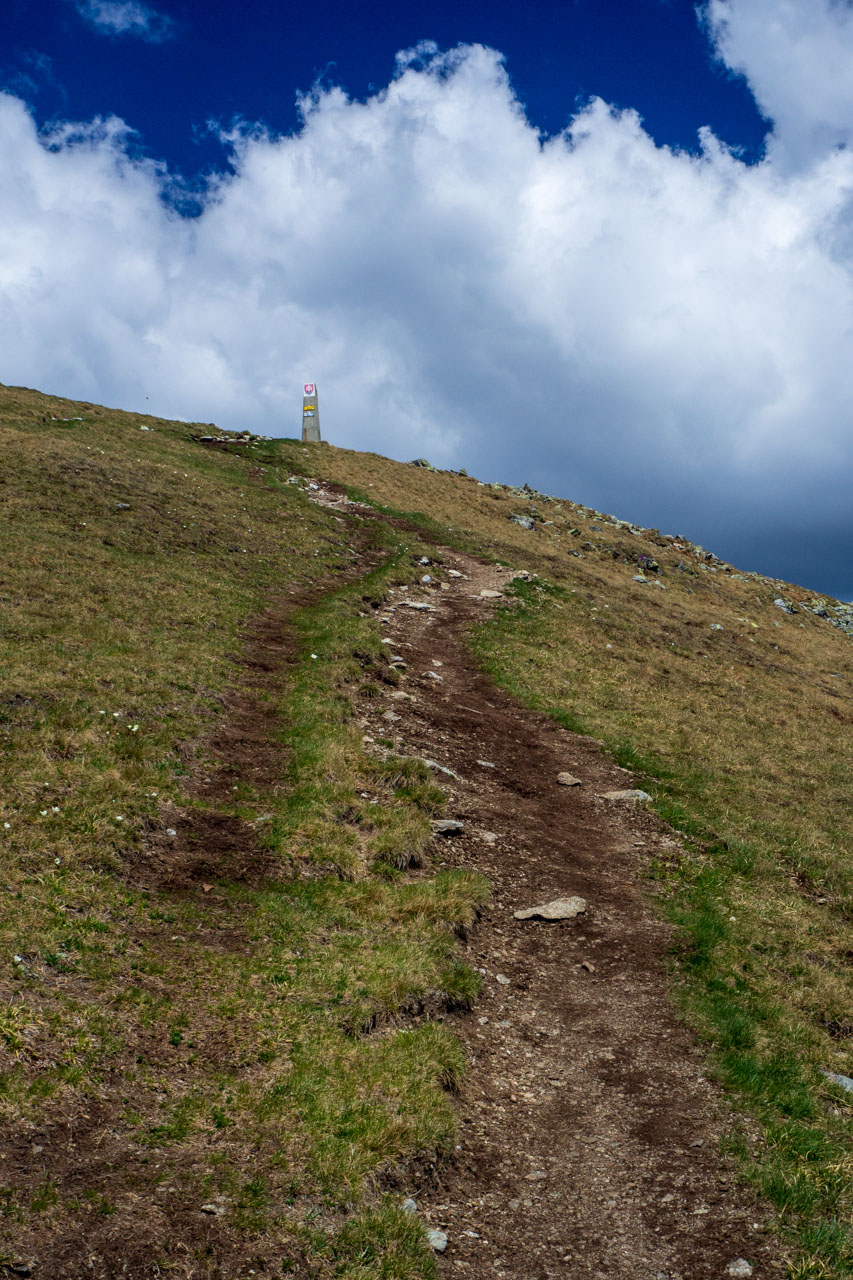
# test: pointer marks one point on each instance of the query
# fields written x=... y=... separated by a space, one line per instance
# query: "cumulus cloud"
x=796 y=55
x=126 y=18
x=662 y=335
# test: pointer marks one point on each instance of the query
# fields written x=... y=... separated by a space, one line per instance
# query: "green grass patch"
x=274 y=1047
x=735 y=720
x=762 y=887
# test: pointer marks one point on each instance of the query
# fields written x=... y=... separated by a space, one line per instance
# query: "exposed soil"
x=122 y=1198
x=589 y=1132
x=210 y=840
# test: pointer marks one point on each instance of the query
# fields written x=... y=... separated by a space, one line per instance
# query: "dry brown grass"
x=215 y=1013
x=737 y=716
x=163 y=1048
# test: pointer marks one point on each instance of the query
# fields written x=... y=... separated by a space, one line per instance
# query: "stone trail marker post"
x=310 y=414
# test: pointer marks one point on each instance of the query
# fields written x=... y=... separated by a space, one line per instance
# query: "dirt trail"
x=589 y=1133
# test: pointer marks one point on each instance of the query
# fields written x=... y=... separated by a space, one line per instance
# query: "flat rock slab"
x=447 y=826
x=559 y=909
x=632 y=794
x=417 y=604
x=488 y=594
x=568 y=780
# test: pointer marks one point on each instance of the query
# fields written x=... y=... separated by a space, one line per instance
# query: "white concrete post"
x=310 y=414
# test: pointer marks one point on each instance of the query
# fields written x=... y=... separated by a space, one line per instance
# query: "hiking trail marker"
x=310 y=414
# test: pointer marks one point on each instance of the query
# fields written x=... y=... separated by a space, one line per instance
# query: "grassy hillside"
x=183 y=1029
x=729 y=695
x=179 y=1031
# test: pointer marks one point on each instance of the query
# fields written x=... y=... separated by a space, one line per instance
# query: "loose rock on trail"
x=589 y=1132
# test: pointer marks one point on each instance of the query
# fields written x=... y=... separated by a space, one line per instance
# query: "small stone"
x=739 y=1268
x=390 y=716
x=433 y=764
x=426 y=579
x=717 y=626
x=588 y=965
x=844 y=1082
x=632 y=794
x=455 y=573
x=526 y=522
x=409 y=1206
x=214 y=1209
x=437 y=1240
x=568 y=780
x=487 y=764
x=489 y=837
x=502 y=979
x=558 y=909
x=488 y=594
x=170 y=831
x=640 y=577
x=536 y=1176
x=417 y=604
x=447 y=826
x=432 y=675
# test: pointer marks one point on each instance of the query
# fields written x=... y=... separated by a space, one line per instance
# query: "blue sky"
x=604 y=248
x=182 y=63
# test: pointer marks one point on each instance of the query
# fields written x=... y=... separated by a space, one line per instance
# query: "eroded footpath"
x=589 y=1134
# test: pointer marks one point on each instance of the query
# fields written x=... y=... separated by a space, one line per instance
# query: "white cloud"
x=796 y=55
x=661 y=335
x=126 y=18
